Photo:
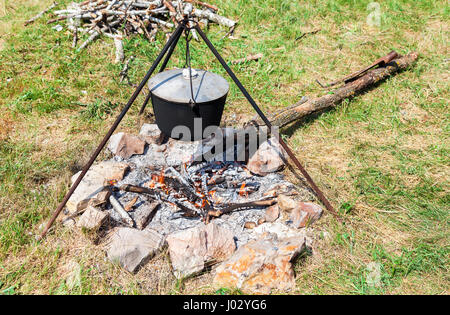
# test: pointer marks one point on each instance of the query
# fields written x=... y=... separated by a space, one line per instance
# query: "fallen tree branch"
x=40 y=14
x=248 y=58
x=332 y=99
x=124 y=73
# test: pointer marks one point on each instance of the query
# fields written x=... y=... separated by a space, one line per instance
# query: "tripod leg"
x=297 y=163
x=111 y=130
x=163 y=66
x=144 y=105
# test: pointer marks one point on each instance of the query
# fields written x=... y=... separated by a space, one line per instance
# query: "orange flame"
x=161 y=178
x=242 y=191
x=112 y=182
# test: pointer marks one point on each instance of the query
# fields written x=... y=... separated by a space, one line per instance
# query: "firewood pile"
x=120 y=18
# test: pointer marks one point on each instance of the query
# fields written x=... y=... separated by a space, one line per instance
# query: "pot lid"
x=174 y=86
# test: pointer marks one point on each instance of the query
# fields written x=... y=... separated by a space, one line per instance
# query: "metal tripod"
x=169 y=48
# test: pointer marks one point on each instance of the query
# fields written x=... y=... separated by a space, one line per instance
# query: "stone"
x=272 y=213
x=126 y=145
x=155 y=157
x=269 y=158
x=220 y=243
x=92 y=219
x=68 y=222
x=93 y=184
x=113 y=142
x=286 y=203
x=193 y=249
x=144 y=214
x=101 y=198
x=187 y=250
x=130 y=145
x=261 y=266
x=131 y=248
x=150 y=133
x=281 y=188
x=180 y=152
x=281 y=230
x=250 y=225
x=305 y=214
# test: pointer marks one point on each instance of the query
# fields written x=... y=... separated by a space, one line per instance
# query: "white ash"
x=167 y=218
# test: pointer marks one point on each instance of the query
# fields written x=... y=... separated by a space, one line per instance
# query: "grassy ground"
x=382 y=158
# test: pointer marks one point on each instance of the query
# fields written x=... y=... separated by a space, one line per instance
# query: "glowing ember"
x=242 y=191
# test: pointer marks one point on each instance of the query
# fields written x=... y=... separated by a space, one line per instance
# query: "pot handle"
x=194 y=108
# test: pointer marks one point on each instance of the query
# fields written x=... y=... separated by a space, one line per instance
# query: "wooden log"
x=118 y=43
x=298 y=111
x=121 y=211
x=241 y=206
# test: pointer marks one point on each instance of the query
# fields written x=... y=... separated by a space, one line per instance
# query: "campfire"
x=193 y=192
x=183 y=183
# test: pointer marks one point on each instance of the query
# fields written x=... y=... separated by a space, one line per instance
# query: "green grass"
x=382 y=157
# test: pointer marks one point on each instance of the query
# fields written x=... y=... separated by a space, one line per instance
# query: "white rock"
x=270 y=157
x=113 y=142
x=132 y=248
x=286 y=203
x=93 y=183
x=126 y=145
x=193 y=249
x=305 y=214
x=150 y=133
x=92 y=218
x=279 y=229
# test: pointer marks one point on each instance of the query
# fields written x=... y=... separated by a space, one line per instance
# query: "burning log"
x=140 y=190
x=241 y=206
x=332 y=99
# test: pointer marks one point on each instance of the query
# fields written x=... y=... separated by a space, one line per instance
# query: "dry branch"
x=206 y=14
x=248 y=58
x=203 y=4
x=117 y=17
x=332 y=99
x=40 y=14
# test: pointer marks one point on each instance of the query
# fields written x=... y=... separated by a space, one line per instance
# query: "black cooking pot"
x=173 y=106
